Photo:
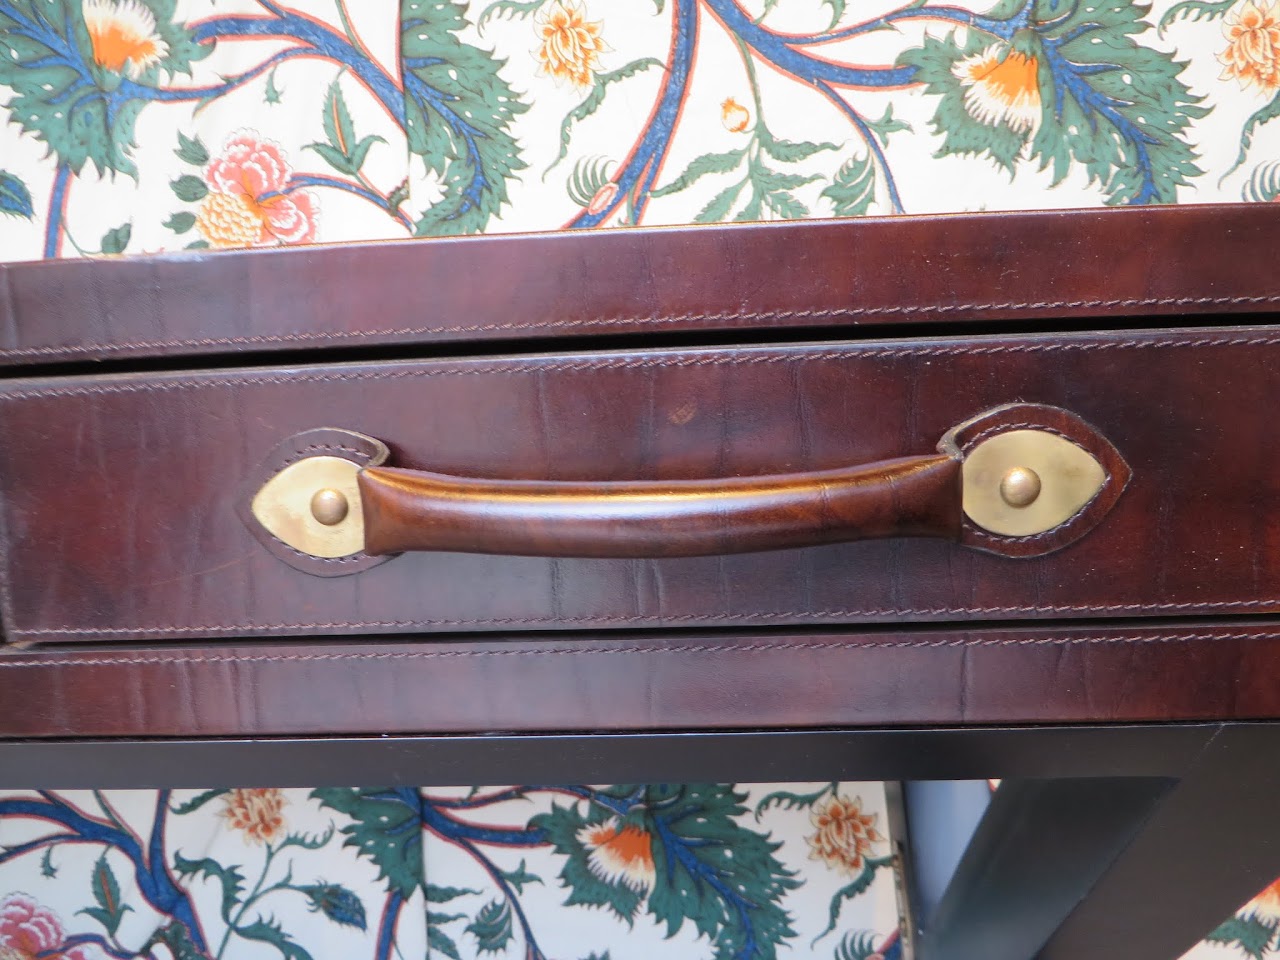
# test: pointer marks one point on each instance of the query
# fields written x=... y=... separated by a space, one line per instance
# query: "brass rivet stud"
x=330 y=506
x=1020 y=487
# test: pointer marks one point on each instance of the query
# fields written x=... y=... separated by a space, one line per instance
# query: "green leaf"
x=508 y=10
x=181 y=222
x=785 y=798
x=272 y=93
x=458 y=116
x=445 y=894
x=361 y=149
x=700 y=167
x=785 y=205
x=399 y=195
x=1195 y=10
x=338 y=126
x=589 y=175
x=189 y=188
x=177 y=940
x=439 y=941
x=15 y=198
x=116 y=239
x=856 y=945
x=1113 y=108
x=837 y=10
x=197 y=245
x=753 y=210
x=307 y=841
x=887 y=125
x=492 y=927
x=1259 y=117
x=47 y=869
x=269 y=931
x=714 y=872
x=79 y=110
x=1248 y=933
x=198 y=801
x=336 y=902
x=718 y=207
x=333 y=156
x=519 y=877
x=769 y=181
x=593 y=101
x=229 y=878
x=788 y=151
x=191 y=150
x=859 y=885
x=853 y=189
x=1264 y=185
x=433 y=917
x=386 y=829
x=106 y=893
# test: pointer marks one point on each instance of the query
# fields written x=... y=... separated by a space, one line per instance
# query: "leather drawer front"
x=671 y=681
x=854 y=272
x=120 y=493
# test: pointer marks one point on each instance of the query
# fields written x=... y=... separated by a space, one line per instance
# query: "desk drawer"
x=127 y=500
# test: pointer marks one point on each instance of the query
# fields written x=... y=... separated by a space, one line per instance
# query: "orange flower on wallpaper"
x=844 y=836
x=1001 y=86
x=257 y=813
x=123 y=35
x=250 y=202
x=734 y=116
x=1266 y=905
x=619 y=854
x=571 y=44
x=1252 y=55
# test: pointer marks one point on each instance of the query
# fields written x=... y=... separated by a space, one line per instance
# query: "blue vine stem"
x=151 y=873
x=649 y=151
x=387 y=927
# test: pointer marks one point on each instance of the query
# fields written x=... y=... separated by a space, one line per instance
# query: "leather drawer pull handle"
x=1020 y=480
x=411 y=510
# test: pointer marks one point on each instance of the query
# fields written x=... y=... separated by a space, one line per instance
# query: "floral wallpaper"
x=136 y=126
x=693 y=871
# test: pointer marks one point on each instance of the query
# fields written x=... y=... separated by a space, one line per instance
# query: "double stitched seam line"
x=820 y=615
x=835 y=312
x=636 y=649
x=666 y=361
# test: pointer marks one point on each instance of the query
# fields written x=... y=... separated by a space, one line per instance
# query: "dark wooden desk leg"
x=1212 y=844
x=1039 y=848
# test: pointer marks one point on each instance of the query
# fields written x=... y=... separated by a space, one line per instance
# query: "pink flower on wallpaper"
x=28 y=931
x=250 y=202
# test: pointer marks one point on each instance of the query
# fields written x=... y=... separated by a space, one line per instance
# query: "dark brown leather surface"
x=120 y=511
x=985 y=267
x=692 y=681
x=416 y=510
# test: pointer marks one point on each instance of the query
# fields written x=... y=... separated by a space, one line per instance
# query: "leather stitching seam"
x=484 y=368
x=924 y=310
x=182 y=659
x=819 y=615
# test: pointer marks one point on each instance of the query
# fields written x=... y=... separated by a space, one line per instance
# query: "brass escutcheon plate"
x=284 y=507
x=1069 y=478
